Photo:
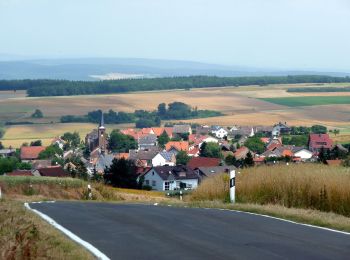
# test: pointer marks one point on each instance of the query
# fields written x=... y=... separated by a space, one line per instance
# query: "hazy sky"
x=303 y=34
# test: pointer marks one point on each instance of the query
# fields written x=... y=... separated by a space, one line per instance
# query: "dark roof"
x=53 y=172
x=196 y=162
x=105 y=160
x=208 y=171
x=179 y=172
x=143 y=154
x=181 y=129
x=148 y=139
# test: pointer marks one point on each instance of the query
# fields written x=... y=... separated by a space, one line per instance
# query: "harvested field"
x=16 y=135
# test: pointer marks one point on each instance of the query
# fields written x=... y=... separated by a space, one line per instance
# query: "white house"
x=163 y=178
x=164 y=158
x=304 y=154
x=220 y=132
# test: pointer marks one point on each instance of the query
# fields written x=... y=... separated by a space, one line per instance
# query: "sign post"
x=233 y=186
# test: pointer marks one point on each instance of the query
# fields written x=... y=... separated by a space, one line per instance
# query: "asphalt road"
x=124 y=231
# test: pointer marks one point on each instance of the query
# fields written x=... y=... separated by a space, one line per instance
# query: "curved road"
x=124 y=231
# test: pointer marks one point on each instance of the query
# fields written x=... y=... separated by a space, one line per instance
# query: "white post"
x=90 y=192
x=233 y=186
x=180 y=194
x=0 y=193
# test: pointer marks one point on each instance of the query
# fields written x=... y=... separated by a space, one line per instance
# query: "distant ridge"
x=112 y=68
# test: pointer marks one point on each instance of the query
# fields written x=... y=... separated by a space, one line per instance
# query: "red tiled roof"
x=241 y=152
x=20 y=173
x=158 y=130
x=56 y=171
x=265 y=140
x=317 y=141
x=169 y=131
x=178 y=145
x=197 y=162
x=122 y=155
x=31 y=152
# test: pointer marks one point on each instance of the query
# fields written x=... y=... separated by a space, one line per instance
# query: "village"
x=173 y=157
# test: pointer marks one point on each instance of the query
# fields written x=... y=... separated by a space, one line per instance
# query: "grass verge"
x=23 y=235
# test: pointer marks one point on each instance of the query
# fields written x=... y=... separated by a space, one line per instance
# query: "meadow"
x=309 y=100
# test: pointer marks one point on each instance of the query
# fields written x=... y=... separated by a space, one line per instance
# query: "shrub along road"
x=124 y=231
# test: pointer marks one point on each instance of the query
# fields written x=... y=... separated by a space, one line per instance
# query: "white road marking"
x=68 y=233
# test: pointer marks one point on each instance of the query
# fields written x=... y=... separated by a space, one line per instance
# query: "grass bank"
x=23 y=235
x=307 y=193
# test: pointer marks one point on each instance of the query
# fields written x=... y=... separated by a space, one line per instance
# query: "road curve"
x=129 y=231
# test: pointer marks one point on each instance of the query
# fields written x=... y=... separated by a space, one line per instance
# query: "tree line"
x=143 y=118
x=40 y=87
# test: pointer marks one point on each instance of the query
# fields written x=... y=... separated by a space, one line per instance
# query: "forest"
x=37 y=88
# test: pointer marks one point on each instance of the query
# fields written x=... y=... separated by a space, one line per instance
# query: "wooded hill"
x=37 y=88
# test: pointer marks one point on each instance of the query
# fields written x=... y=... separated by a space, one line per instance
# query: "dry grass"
x=23 y=235
x=300 y=186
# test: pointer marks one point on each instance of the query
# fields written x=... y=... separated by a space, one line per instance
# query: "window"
x=147 y=182
x=166 y=185
x=154 y=183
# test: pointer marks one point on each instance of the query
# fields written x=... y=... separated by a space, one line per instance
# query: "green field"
x=309 y=101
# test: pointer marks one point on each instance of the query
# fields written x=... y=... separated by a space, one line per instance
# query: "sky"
x=283 y=34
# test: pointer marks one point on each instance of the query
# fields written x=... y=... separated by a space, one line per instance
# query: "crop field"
x=309 y=100
x=249 y=105
x=16 y=135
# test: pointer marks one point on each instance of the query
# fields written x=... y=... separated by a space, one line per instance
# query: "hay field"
x=16 y=135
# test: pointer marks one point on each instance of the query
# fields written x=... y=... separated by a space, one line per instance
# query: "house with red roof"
x=196 y=162
x=29 y=153
x=319 y=141
x=177 y=146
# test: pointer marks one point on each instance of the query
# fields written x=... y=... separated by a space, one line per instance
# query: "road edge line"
x=285 y=220
x=97 y=253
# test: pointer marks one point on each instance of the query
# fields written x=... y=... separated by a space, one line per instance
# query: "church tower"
x=102 y=136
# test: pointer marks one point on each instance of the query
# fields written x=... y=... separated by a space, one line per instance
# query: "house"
x=204 y=172
x=7 y=152
x=302 y=153
x=30 y=153
x=241 y=153
x=197 y=140
x=98 y=138
x=196 y=162
x=59 y=142
x=54 y=171
x=219 y=132
x=20 y=173
x=280 y=129
x=37 y=164
x=147 y=141
x=203 y=130
x=164 y=158
x=104 y=161
x=242 y=131
x=164 y=178
x=280 y=151
x=177 y=146
x=274 y=143
x=319 y=141
x=181 y=130
x=143 y=158
x=259 y=160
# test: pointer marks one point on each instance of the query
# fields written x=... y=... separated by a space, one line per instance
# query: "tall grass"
x=301 y=186
x=13 y=181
